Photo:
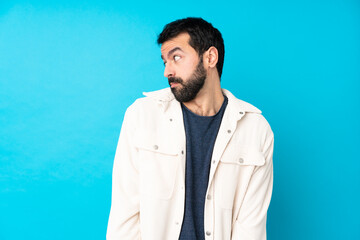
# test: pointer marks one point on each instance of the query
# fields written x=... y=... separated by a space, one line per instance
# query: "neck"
x=209 y=99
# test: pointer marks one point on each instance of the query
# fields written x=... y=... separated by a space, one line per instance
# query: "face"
x=183 y=68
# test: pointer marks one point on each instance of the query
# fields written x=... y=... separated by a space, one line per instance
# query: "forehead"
x=180 y=41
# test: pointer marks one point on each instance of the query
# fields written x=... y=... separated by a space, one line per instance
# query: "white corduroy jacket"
x=148 y=188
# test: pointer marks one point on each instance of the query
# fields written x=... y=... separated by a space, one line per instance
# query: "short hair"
x=202 y=36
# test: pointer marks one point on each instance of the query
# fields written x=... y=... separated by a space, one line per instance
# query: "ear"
x=211 y=57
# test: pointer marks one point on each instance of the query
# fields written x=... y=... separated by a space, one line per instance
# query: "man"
x=192 y=161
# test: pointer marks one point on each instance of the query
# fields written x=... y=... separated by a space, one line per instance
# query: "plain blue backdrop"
x=69 y=70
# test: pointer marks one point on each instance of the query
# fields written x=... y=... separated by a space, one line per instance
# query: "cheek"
x=188 y=69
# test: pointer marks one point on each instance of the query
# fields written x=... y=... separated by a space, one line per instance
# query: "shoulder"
x=151 y=103
x=252 y=116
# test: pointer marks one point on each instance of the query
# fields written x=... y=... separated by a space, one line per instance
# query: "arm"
x=251 y=220
x=124 y=214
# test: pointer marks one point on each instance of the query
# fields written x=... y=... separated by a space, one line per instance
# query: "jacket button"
x=208 y=197
x=170 y=119
x=208 y=233
x=156 y=147
x=182 y=152
x=241 y=160
x=241 y=113
x=229 y=131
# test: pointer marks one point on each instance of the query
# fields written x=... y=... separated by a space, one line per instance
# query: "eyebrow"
x=172 y=51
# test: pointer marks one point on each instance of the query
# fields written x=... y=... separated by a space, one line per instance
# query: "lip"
x=173 y=84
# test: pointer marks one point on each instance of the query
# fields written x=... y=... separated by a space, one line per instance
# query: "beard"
x=188 y=91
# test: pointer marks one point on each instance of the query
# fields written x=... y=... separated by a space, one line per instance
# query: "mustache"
x=175 y=80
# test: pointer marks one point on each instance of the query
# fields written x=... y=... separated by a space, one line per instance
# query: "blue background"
x=69 y=70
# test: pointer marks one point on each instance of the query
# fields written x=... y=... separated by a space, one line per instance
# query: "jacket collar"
x=165 y=96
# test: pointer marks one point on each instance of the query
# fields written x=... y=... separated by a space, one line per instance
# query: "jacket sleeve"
x=124 y=214
x=251 y=220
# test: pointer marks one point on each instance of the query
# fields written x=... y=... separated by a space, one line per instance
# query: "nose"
x=169 y=70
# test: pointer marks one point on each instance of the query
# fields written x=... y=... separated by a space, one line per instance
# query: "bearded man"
x=192 y=161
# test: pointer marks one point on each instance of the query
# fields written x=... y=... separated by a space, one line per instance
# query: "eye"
x=176 y=58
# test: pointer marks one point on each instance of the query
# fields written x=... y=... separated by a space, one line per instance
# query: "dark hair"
x=202 y=36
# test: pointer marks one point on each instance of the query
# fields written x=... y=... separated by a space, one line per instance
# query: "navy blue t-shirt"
x=201 y=132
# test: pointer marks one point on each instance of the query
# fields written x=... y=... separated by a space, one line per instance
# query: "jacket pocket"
x=158 y=164
x=234 y=173
x=246 y=156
